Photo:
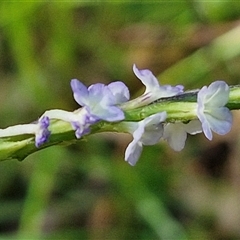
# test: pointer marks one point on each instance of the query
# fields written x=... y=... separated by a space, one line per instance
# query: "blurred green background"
x=87 y=190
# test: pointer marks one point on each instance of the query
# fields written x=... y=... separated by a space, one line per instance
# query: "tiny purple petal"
x=42 y=133
x=80 y=129
x=180 y=88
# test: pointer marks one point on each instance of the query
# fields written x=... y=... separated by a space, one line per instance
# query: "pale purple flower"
x=211 y=109
x=101 y=99
x=98 y=103
x=176 y=133
x=154 y=90
x=146 y=132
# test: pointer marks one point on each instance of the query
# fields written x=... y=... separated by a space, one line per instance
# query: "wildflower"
x=145 y=132
x=153 y=90
x=176 y=133
x=153 y=87
x=211 y=109
x=101 y=100
x=39 y=129
x=98 y=103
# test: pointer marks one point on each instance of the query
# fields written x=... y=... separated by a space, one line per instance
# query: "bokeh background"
x=87 y=190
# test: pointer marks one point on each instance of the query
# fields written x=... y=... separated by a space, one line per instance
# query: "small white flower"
x=152 y=85
x=176 y=133
x=146 y=132
x=211 y=109
x=153 y=90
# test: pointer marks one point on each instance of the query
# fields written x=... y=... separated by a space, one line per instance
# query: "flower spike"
x=176 y=114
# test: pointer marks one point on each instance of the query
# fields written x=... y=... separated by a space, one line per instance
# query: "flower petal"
x=193 y=127
x=217 y=94
x=119 y=91
x=110 y=113
x=176 y=135
x=80 y=129
x=80 y=92
x=206 y=128
x=147 y=78
x=152 y=134
x=220 y=120
x=133 y=152
x=168 y=91
x=153 y=89
x=139 y=131
x=153 y=128
x=99 y=94
x=42 y=133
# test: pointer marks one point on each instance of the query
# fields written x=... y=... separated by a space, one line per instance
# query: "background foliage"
x=87 y=191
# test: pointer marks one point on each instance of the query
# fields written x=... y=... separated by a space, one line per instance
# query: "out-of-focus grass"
x=87 y=191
